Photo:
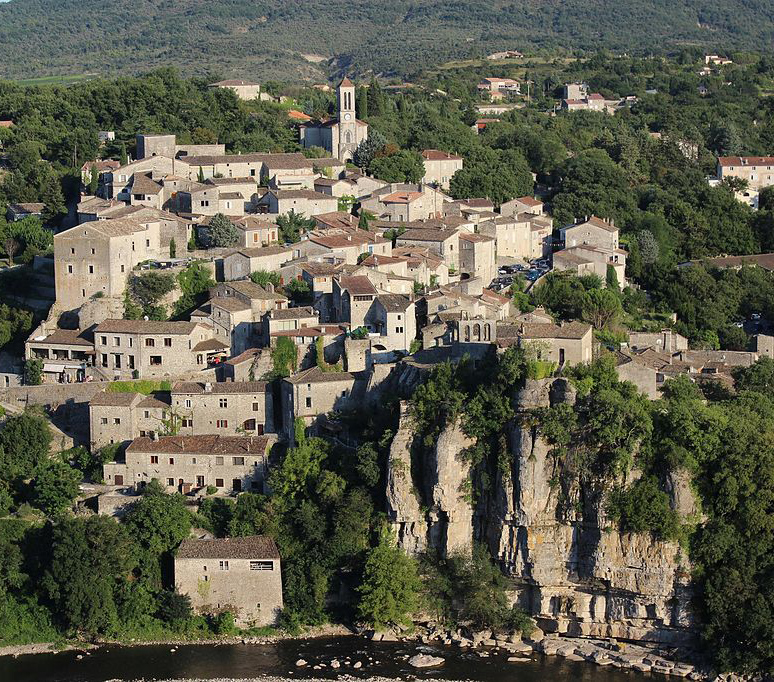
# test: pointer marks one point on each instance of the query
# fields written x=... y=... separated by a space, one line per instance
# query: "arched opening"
x=487 y=332
x=464 y=276
x=380 y=347
x=348 y=138
x=477 y=332
x=249 y=425
x=467 y=333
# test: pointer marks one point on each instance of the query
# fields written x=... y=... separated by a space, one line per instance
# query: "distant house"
x=499 y=85
x=757 y=171
x=440 y=167
x=17 y=212
x=240 y=575
x=243 y=89
x=506 y=54
x=482 y=123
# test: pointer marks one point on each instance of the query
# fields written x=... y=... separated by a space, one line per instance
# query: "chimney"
x=154 y=436
x=208 y=387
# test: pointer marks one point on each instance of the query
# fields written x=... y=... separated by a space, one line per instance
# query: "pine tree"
x=200 y=176
x=124 y=155
x=362 y=102
x=375 y=98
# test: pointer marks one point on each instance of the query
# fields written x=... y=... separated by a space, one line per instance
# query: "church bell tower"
x=347 y=120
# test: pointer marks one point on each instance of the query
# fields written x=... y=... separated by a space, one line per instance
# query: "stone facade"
x=122 y=417
x=183 y=464
x=240 y=575
x=440 y=167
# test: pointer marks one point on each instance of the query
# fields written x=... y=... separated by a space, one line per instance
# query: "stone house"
x=149 y=146
x=236 y=311
x=392 y=317
x=568 y=343
x=245 y=90
x=336 y=187
x=440 y=167
x=643 y=375
x=352 y=299
x=255 y=231
x=402 y=203
x=225 y=408
x=240 y=575
x=312 y=393
x=122 y=417
x=63 y=352
x=591 y=232
x=477 y=256
x=183 y=464
x=518 y=237
x=667 y=341
x=240 y=264
x=522 y=205
x=266 y=169
x=128 y=349
x=301 y=201
x=423 y=266
x=590 y=260
x=336 y=220
x=758 y=171
x=444 y=243
x=97 y=257
x=286 y=320
x=347 y=246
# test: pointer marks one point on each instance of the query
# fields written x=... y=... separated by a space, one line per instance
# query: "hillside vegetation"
x=265 y=39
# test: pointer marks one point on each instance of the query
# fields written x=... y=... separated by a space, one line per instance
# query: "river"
x=250 y=660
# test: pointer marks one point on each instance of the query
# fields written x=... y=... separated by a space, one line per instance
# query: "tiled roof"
x=113 y=399
x=320 y=269
x=152 y=402
x=426 y=235
x=145 y=327
x=340 y=241
x=746 y=161
x=210 y=344
x=394 y=303
x=290 y=161
x=258 y=251
x=293 y=313
x=250 y=289
x=300 y=194
x=250 y=547
x=69 y=337
x=596 y=222
x=337 y=219
x=475 y=237
x=543 y=330
x=375 y=260
x=401 y=197
x=143 y=184
x=315 y=375
x=437 y=155
x=247 y=356
x=358 y=285
x=762 y=260
x=204 y=445
x=229 y=303
x=219 y=387
x=113 y=227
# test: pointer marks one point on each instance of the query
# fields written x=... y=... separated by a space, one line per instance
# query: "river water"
x=250 y=660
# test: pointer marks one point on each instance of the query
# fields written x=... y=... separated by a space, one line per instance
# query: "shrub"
x=33 y=372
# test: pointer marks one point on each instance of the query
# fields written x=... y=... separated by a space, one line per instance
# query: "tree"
x=499 y=176
x=362 y=222
x=11 y=247
x=390 y=591
x=200 y=175
x=361 y=103
x=375 y=98
x=24 y=444
x=403 y=166
x=146 y=291
x=33 y=372
x=758 y=377
x=263 y=277
x=221 y=232
x=93 y=180
x=89 y=566
x=298 y=290
x=368 y=149
x=173 y=607
x=172 y=248
x=292 y=225
x=55 y=486
x=158 y=523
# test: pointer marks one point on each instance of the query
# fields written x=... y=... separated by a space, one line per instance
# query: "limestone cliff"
x=574 y=572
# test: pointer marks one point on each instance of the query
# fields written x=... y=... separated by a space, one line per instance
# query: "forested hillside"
x=268 y=39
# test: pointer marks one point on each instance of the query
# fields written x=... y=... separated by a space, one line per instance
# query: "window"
x=91 y=269
x=398 y=330
x=256 y=407
x=187 y=423
x=143 y=433
x=238 y=461
x=218 y=482
x=223 y=565
x=72 y=251
x=147 y=414
x=223 y=402
x=171 y=460
x=155 y=359
x=70 y=269
x=168 y=342
x=122 y=268
x=130 y=359
x=103 y=340
x=117 y=421
x=200 y=481
x=147 y=243
x=170 y=481
x=104 y=360
x=218 y=461
x=103 y=420
x=222 y=423
x=117 y=341
x=261 y=565
x=308 y=401
x=154 y=459
x=150 y=343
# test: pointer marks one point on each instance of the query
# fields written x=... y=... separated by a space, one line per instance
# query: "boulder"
x=425 y=661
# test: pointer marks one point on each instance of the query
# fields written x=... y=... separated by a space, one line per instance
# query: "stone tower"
x=347 y=120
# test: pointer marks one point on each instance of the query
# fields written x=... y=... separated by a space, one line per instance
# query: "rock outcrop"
x=571 y=568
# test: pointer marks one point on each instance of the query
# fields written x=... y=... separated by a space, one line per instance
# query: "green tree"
x=221 y=232
x=601 y=308
x=369 y=149
x=146 y=291
x=263 y=277
x=55 y=486
x=33 y=372
x=24 y=445
x=499 y=176
x=172 y=248
x=292 y=225
x=390 y=591
x=403 y=166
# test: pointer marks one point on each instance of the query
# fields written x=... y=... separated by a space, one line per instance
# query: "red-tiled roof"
x=251 y=547
x=746 y=161
x=437 y=155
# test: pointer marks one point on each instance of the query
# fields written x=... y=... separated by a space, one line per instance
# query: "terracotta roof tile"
x=250 y=547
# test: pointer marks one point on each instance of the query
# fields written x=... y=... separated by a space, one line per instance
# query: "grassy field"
x=57 y=80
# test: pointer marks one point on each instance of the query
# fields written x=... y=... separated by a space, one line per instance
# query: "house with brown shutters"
x=184 y=464
x=239 y=575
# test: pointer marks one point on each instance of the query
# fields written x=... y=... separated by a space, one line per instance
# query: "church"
x=339 y=136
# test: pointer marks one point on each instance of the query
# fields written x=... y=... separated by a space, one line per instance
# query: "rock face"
x=574 y=572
